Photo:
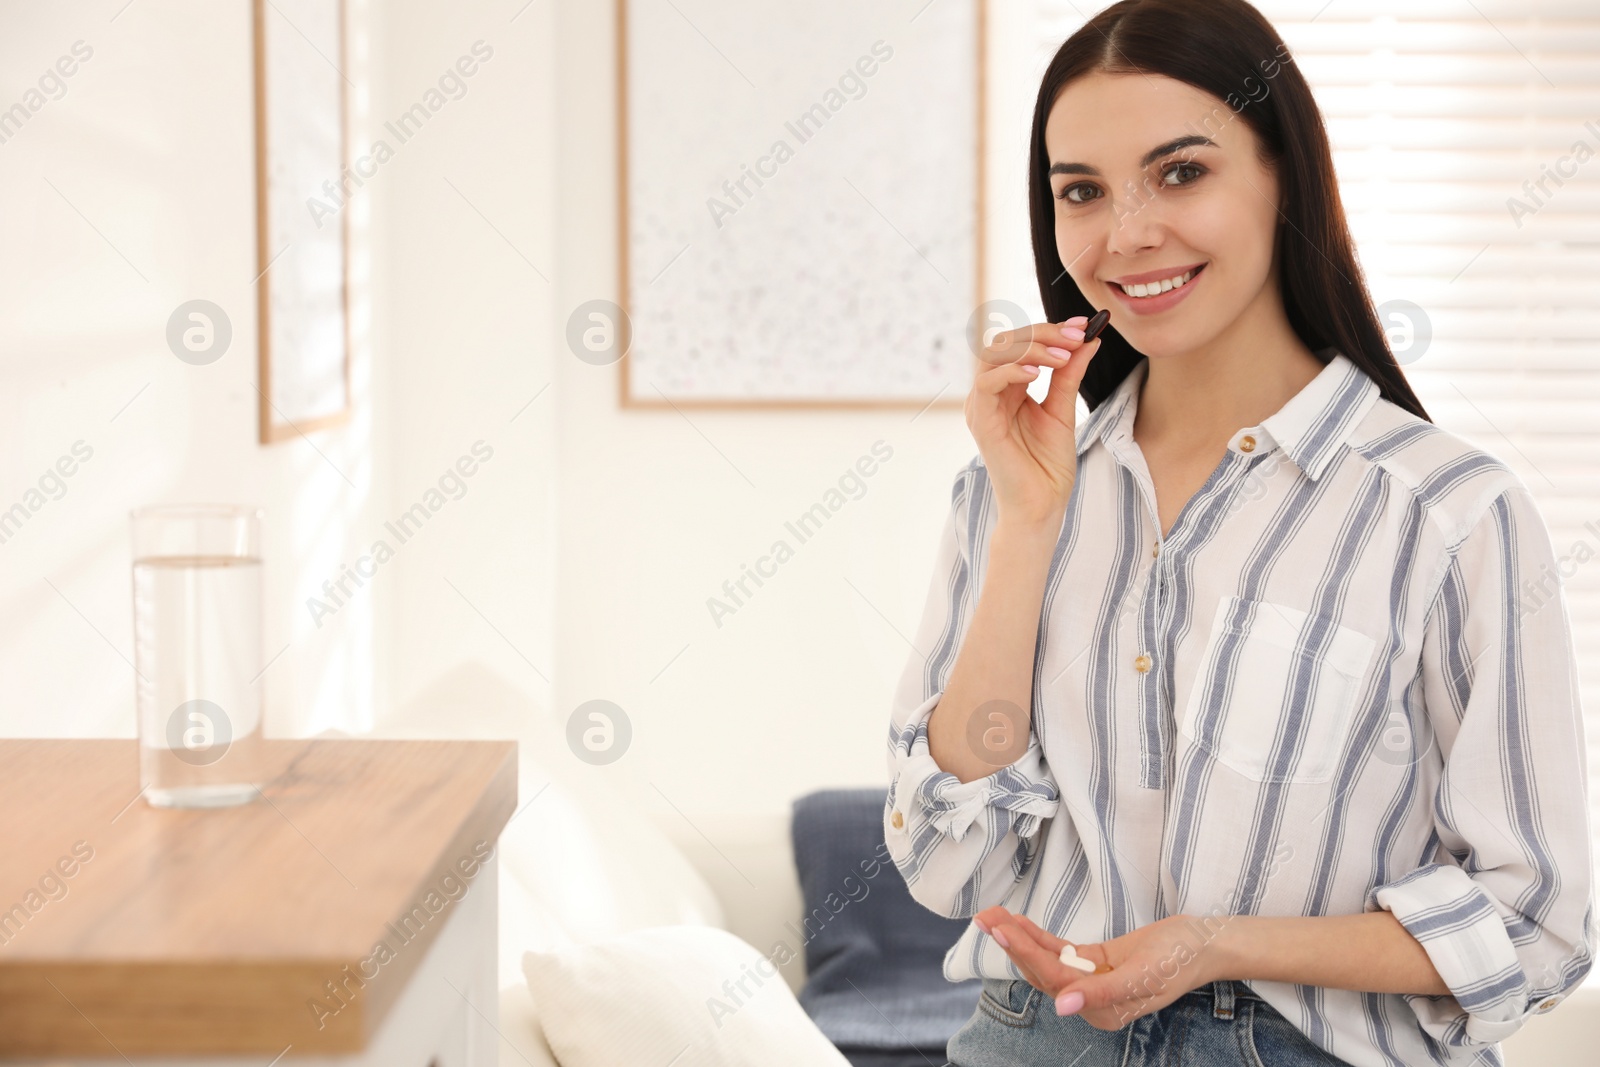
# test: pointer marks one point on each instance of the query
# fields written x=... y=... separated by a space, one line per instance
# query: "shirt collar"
x=1109 y=415
x=1310 y=428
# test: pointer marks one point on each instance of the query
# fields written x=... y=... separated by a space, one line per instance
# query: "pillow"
x=692 y=996
x=874 y=955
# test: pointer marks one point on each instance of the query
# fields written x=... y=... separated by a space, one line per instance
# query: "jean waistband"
x=1226 y=990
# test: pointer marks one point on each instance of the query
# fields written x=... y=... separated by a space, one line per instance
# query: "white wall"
x=128 y=195
x=464 y=274
x=791 y=693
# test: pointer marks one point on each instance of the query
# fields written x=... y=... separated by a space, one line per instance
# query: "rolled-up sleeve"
x=960 y=846
x=1504 y=910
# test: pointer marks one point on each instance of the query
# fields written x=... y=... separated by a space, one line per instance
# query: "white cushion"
x=670 y=994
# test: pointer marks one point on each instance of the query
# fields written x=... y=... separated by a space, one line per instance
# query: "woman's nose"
x=1134 y=226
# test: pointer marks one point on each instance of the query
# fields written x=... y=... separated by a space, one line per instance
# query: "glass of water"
x=197 y=653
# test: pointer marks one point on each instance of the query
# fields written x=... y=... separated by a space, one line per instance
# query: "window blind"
x=1466 y=137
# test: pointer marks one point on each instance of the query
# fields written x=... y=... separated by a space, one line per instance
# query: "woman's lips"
x=1154 y=305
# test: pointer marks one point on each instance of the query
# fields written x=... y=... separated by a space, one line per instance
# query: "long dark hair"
x=1228 y=49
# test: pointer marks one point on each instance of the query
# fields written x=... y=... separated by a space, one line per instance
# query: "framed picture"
x=303 y=187
x=801 y=202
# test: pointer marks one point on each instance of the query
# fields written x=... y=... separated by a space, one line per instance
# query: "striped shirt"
x=1344 y=681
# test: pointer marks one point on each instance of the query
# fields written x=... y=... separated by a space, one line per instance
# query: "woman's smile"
x=1164 y=289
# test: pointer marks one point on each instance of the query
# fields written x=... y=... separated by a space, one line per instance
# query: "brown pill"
x=1096 y=324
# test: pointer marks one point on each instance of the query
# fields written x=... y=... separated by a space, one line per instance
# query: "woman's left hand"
x=1150 y=967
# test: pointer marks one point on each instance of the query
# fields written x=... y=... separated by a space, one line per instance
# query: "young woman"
x=1256 y=690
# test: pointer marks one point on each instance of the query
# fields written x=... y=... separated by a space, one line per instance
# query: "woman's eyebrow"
x=1149 y=157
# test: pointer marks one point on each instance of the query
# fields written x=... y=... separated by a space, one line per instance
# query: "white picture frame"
x=867 y=124
x=302 y=217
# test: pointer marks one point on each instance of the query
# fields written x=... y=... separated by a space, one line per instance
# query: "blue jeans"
x=1220 y=1023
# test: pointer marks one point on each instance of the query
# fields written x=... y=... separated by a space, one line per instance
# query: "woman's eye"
x=1084 y=192
x=1195 y=167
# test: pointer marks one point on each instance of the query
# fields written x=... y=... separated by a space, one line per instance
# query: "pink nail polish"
x=1062 y=352
x=1070 y=1003
x=1073 y=332
x=1000 y=936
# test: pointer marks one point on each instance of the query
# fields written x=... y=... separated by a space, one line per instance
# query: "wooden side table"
x=347 y=916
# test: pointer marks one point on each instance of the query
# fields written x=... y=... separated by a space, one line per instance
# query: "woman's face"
x=1154 y=179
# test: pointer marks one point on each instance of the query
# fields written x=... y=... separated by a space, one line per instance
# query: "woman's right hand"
x=1028 y=446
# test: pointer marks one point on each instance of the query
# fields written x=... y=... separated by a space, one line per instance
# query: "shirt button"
x=898 y=820
x=1155 y=550
x=1247 y=443
x=1547 y=1003
x=1141 y=663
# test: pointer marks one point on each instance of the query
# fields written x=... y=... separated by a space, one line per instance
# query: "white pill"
x=1070 y=957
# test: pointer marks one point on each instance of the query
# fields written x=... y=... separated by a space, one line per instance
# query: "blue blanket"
x=874 y=956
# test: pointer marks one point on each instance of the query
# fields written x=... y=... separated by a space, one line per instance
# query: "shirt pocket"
x=1276 y=690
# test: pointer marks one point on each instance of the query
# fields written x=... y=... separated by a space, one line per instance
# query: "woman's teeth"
x=1156 y=288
